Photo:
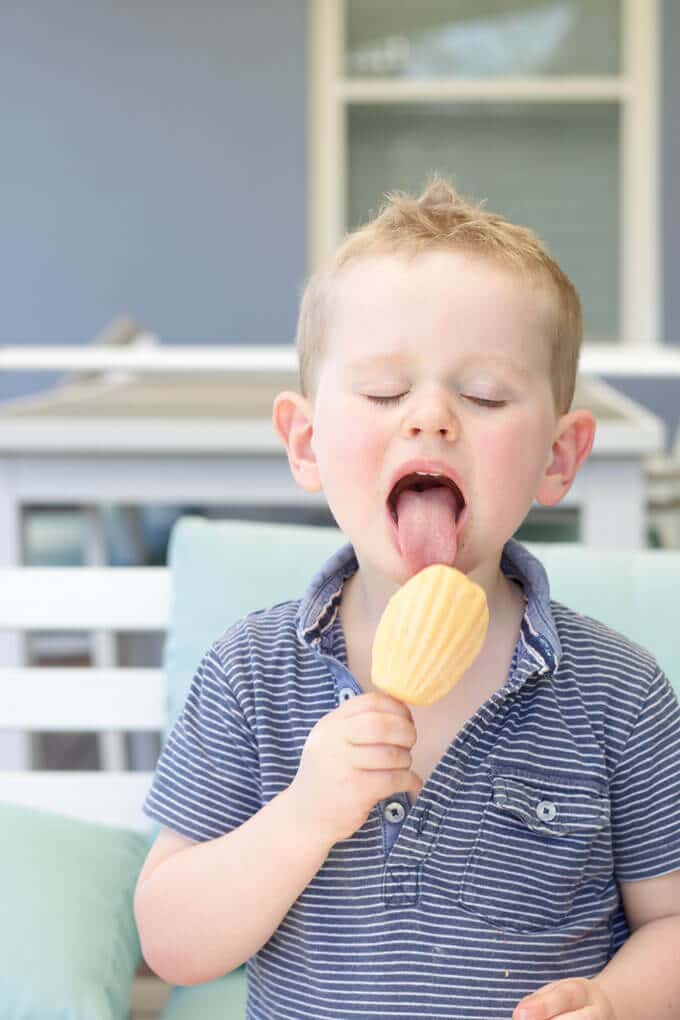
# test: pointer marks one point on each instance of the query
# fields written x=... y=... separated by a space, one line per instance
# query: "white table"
x=208 y=440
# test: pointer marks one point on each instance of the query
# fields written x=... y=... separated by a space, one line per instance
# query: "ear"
x=573 y=442
x=292 y=415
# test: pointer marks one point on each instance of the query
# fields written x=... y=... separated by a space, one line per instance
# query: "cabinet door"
x=553 y=167
x=482 y=38
x=520 y=102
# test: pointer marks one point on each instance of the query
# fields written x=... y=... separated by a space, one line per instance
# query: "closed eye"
x=386 y=400
x=482 y=402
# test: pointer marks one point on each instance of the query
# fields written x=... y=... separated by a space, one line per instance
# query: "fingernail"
x=523 y=1014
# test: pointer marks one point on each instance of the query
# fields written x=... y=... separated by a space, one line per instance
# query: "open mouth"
x=420 y=481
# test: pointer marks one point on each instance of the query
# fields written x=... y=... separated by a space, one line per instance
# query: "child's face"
x=467 y=344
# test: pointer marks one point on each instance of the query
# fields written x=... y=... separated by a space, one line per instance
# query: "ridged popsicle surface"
x=431 y=631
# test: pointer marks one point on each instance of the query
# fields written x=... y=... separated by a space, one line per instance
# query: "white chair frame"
x=85 y=699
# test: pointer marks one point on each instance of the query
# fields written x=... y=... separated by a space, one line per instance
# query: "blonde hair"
x=441 y=219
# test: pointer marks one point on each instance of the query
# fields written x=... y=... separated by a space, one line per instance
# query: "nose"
x=432 y=413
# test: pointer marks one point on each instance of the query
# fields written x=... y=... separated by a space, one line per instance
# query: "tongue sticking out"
x=427 y=527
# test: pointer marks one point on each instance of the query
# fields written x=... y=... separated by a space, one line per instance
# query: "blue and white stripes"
x=503 y=875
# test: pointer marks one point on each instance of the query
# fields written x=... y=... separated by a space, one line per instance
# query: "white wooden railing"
x=82 y=699
x=595 y=359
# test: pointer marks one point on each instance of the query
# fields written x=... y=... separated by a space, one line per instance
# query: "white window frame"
x=637 y=90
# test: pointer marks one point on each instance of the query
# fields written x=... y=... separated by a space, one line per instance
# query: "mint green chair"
x=222 y=570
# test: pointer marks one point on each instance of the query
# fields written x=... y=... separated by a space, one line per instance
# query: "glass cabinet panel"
x=552 y=167
x=482 y=38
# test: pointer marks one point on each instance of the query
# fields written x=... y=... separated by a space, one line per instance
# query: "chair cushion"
x=634 y=591
x=223 y=999
x=222 y=570
x=68 y=940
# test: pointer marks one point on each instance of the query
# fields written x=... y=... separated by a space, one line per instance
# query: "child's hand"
x=570 y=999
x=353 y=757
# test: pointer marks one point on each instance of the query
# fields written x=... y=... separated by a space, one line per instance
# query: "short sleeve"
x=207 y=777
x=645 y=789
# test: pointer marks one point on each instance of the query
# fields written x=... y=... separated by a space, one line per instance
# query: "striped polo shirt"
x=503 y=874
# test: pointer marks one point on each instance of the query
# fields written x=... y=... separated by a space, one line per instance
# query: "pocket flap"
x=551 y=808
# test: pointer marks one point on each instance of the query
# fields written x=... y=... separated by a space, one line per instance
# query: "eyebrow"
x=382 y=360
x=504 y=364
x=379 y=361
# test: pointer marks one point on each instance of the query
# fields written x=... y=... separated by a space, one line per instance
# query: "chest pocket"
x=540 y=841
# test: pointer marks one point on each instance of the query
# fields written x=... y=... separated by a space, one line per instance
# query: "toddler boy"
x=371 y=859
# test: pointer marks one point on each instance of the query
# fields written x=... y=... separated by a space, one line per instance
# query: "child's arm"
x=204 y=908
x=642 y=980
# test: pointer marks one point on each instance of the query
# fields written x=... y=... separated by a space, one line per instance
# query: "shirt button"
x=345 y=693
x=546 y=810
x=394 y=812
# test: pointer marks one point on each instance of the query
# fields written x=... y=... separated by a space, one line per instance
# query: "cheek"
x=348 y=450
x=511 y=459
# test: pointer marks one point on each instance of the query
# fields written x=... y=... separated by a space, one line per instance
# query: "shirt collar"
x=539 y=630
x=541 y=644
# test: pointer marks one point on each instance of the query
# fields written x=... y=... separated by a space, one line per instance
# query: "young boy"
x=372 y=859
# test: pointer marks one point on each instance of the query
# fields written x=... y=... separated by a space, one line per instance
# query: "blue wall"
x=154 y=165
